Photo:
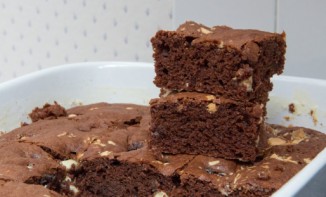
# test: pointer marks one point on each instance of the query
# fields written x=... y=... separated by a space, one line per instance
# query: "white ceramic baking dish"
x=128 y=82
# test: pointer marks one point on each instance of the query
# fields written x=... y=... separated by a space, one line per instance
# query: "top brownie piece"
x=232 y=63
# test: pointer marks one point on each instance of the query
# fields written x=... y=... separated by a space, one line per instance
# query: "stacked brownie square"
x=214 y=89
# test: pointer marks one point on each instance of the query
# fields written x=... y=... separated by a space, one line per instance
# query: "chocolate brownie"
x=198 y=123
x=19 y=189
x=233 y=63
x=114 y=158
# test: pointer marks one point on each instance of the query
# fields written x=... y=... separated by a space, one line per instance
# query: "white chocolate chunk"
x=67 y=179
x=205 y=31
x=211 y=108
x=69 y=163
x=248 y=84
x=284 y=159
x=160 y=194
x=62 y=134
x=297 y=136
x=98 y=142
x=112 y=143
x=73 y=189
x=105 y=153
x=166 y=92
x=213 y=163
x=30 y=166
x=307 y=160
x=221 y=45
x=210 y=97
x=274 y=141
x=71 y=116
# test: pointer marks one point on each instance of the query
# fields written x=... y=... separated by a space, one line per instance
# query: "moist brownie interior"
x=197 y=123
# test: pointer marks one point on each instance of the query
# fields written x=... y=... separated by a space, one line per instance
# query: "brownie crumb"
x=287 y=118
x=291 y=108
x=22 y=124
x=48 y=112
x=314 y=116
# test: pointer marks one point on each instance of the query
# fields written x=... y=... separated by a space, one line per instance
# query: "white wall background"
x=38 y=34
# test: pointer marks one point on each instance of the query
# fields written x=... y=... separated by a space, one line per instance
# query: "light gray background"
x=38 y=34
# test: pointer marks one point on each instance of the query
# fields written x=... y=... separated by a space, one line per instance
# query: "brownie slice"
x=198 y=123
x=232 y=63
x=133 y=173
x=17 y=189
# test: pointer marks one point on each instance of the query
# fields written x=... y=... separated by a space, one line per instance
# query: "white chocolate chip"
x=71 y=135
x=274 y=141
x=205 y=31
x=62 y=134
x=30 y=166
x=157 y=161
x=67 y=179
x=129 y=108
x=307 y=160
x=98 y=142
x=69 y=163
x=112 y=143
x=166 y=92
x=93 y=108
x=105 y=153
x=248 y=84
x=71 y=116
x=210 y=97
x=211 y=108
x=221 y=45
x=237 y=177
x=160 y=194
x=213 y=163
x=73 y=189
x=297 y=136
x=285 y=159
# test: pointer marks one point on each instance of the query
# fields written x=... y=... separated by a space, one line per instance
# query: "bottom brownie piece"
x=115 y=159
x=197 y=123
x=111 y=177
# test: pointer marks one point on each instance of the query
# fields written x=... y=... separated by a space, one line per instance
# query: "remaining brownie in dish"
x=18 y=189
x=198 y=123
x=232 y=63
x=102 y=150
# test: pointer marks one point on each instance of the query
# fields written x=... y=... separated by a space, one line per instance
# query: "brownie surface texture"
x=103 y=150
